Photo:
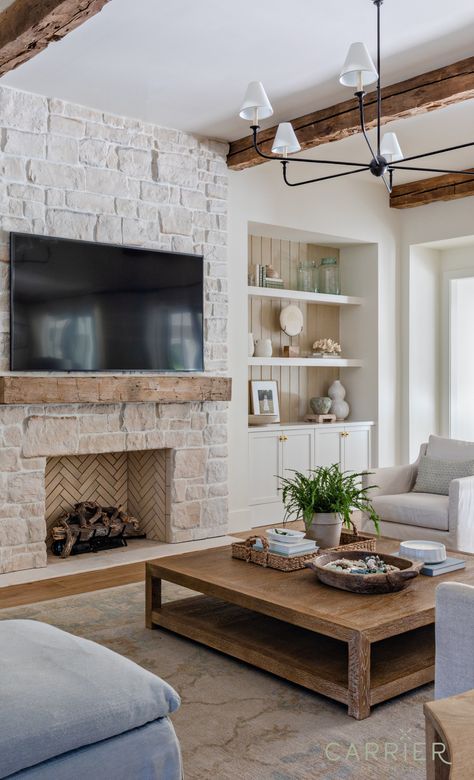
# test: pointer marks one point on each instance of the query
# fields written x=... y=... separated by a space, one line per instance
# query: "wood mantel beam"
x=427 y=92
x=451 y=186
x=29 y=26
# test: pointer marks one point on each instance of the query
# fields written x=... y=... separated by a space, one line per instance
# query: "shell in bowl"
x=365 y=583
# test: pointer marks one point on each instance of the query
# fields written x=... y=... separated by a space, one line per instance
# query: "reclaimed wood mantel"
x=107 y=388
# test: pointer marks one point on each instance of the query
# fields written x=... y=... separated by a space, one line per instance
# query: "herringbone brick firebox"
x=139 y=482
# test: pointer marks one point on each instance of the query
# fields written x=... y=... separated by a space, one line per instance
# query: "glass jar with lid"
x=329 y=276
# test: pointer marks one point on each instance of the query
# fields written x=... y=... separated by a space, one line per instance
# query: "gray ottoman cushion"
x=60 y=692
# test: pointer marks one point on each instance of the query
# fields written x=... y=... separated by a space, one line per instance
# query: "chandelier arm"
x=431 y=154
x=321 y=178
x=378 y=3
x=388 y=184
x=360 y=96
x=255 y=129
x=432 y=170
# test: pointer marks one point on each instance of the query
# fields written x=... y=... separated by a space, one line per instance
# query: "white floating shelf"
x=310 y=362
x=308 y=297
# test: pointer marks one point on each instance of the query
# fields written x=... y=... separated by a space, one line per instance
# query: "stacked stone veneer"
x=75 y=172
x=195 y=434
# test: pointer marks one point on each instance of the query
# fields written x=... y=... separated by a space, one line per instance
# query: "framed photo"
x=264 y=397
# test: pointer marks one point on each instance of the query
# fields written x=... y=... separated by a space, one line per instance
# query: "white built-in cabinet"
x=277 y=450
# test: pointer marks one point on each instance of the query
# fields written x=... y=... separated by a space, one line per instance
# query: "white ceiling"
x=185 y=63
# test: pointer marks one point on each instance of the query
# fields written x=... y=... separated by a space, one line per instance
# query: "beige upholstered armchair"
x=414 y=515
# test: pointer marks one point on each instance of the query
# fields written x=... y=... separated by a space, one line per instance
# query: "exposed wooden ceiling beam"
x=427 y=92
x=451 y=186
x=29 y=26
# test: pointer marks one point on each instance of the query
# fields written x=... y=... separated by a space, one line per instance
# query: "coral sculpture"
x=327 y=346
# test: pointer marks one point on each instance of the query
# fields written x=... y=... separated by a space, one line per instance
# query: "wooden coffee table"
x=359 y=650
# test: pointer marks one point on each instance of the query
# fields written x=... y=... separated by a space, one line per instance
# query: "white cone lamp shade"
x=285 y=141
x=390 y=148
x=256 y=104
x=358 y=69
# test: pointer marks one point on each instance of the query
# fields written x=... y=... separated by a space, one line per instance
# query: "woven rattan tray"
x=245 y=551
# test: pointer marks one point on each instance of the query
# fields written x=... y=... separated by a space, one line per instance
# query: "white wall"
x=358 y=210
x=424 y=357
x=359 y=332
x=438 y=222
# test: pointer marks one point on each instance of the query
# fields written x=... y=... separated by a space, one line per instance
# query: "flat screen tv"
x=80 y=306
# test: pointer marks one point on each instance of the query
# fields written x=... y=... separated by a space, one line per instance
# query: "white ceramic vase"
x=339 y=407
x=326 y=529
x=263 y=348
x=251 y=345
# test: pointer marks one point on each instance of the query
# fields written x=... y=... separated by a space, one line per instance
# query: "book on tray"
x=444 y=567
x=289 y=550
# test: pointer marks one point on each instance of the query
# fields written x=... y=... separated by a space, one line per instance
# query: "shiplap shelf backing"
x=297 y=384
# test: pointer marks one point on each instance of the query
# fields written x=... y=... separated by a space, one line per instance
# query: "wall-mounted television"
x=83 y=306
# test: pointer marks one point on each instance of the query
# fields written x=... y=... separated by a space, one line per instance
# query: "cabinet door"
x=264 y=466
x=297 y=451
x=357 y=449
x=329 y=446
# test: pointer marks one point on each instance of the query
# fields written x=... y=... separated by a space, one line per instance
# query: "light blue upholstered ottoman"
x=71 y=709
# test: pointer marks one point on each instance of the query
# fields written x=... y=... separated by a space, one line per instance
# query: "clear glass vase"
x=304 y=278
x=329 y=276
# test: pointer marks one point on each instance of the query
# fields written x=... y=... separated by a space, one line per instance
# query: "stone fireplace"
x=77 y=172
x=166 y=459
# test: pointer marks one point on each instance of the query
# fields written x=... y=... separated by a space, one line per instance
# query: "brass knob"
x=283 y=438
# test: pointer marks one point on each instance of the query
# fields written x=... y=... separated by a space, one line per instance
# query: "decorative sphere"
x=320 y=405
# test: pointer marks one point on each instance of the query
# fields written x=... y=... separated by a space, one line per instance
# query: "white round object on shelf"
x=419 y=550
x=291 y=320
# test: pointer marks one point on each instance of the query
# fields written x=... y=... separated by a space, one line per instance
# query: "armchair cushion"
x=435 y=474
x=450 y=449
x=390 y=480
x=425 y=510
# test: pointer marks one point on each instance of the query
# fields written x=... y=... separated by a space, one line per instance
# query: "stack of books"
x=262 y=280
x=304 y=547
x=275 y=283
x=444 y=567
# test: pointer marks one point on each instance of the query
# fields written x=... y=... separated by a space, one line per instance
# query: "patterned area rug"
x=237 y=723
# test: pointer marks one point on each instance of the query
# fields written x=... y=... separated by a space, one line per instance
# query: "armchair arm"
x=391 y=480
x=461 y=513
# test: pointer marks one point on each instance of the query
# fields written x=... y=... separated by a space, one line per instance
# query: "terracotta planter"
x=326 y=529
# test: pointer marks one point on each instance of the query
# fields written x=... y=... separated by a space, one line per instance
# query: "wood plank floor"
x=70 y=585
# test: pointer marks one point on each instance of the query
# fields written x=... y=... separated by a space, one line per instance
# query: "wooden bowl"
x=365 y=583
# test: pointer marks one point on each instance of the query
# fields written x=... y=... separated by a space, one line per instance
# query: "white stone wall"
x=71 y=171
x=75 y=172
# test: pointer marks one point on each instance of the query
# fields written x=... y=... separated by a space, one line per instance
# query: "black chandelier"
x=358 y=71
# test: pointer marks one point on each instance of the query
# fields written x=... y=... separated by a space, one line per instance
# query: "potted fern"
x=325 y=499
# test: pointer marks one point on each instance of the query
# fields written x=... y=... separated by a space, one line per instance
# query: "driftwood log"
x=87 y=519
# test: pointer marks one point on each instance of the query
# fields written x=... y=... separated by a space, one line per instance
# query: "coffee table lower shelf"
x=319 y=663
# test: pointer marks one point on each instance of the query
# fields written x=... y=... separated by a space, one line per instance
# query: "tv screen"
x=80 y=306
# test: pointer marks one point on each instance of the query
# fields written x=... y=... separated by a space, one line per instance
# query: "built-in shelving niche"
x=298 y=383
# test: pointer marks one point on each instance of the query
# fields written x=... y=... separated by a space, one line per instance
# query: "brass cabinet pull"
x=344 y=433
x=283 y=437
